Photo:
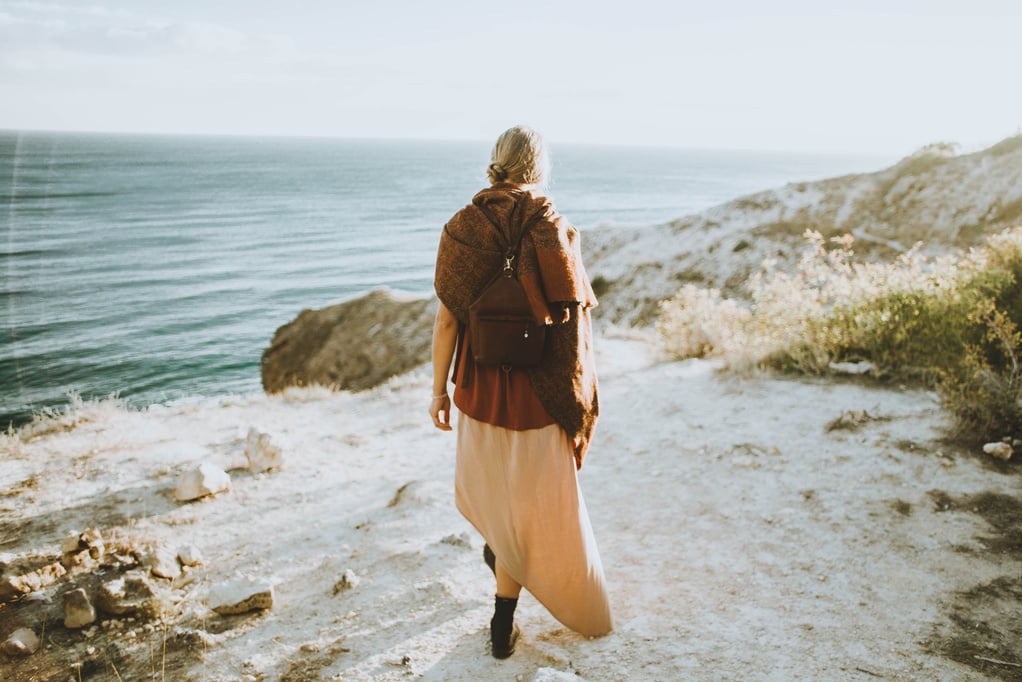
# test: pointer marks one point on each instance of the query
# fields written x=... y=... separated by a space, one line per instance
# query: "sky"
x=823 y=76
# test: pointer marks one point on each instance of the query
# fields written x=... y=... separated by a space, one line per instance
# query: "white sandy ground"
x=741 y=540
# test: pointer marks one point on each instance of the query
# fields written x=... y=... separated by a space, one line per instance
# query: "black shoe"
x=504 y=649
x=503 y=631
x=490 y=558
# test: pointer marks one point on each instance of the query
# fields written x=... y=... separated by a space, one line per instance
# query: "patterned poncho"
x=551 y=272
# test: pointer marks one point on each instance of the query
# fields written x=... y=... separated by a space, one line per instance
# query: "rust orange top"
x=495 y=396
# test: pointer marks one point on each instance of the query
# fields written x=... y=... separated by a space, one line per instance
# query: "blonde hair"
x=519 y=156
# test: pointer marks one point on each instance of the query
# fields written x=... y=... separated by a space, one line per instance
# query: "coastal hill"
x=943 y=200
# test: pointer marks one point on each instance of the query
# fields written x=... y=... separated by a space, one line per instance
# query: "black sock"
x=503 y=633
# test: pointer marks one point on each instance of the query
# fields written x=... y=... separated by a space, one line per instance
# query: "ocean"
x=157 y=268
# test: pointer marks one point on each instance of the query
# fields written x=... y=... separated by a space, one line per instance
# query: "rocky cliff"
x=935 y=197
x=353 y=345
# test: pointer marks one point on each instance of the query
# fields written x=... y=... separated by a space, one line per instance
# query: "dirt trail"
x=749 y=532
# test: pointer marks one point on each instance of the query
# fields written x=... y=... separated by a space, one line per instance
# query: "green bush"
x=983 y=390
x=951 y=322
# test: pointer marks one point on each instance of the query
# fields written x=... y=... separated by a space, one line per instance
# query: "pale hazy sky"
x=815 y=75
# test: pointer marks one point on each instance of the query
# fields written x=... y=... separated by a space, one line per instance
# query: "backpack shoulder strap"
x=514 y=237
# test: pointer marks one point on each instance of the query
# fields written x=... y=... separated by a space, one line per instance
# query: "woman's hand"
x=440 y=411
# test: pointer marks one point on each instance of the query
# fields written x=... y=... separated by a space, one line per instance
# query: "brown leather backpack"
x=502 y=329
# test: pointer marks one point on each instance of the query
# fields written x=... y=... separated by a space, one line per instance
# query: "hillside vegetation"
x=933 y=197
x=952 y=322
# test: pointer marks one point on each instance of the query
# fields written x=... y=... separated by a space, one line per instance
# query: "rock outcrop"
x=352 y=346
x=932 y=196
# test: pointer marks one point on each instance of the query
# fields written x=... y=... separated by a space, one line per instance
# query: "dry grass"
x=950 y=322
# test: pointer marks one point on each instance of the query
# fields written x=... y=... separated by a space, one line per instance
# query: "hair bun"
x=496 y=172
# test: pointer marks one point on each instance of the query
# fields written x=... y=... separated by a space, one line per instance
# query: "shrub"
x=698 y=322
x=983 y=391
x=951 y=322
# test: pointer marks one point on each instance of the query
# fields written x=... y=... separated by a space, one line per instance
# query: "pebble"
x=78 y=610
x=1002 y=451
x=22 y=642
x=189 y=555
x=459 y=540
x=262 y=452
x=348 y=581
x=203 y=480
x=163 y=563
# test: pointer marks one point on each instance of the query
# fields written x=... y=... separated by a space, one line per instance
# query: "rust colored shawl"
x=551 y=272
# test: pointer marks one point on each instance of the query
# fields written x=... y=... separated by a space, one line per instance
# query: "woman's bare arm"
x=445 y=336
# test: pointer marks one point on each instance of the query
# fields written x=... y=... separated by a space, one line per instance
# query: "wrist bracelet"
x=437 y=397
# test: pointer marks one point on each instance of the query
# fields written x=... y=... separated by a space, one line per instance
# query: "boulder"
x=78 y=610
x=203 y=480
x=262 y=452
x=22 y=642
x=351 y=346
x=241 y=596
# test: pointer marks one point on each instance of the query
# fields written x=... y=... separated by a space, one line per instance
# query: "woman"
x=523 y=433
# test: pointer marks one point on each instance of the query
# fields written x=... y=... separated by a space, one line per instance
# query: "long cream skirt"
x=520 y=490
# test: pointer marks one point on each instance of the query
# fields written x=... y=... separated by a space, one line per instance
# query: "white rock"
x=262 y=452
x=863 y=367
x=189 y=555
x=998 y=450
x=22 y=642
x=163 y=563
x=78 y=610
x=241 y=596
x=203 y=480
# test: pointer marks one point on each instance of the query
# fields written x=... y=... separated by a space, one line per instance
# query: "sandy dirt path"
x=744 y=537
